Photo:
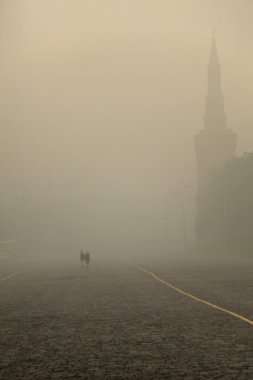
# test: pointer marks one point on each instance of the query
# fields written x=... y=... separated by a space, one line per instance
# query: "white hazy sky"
x=103 y=98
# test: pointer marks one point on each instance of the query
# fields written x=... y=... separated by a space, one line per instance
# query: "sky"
x=100 y=100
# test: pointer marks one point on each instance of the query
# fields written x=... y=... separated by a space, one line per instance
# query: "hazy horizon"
x=100 y=102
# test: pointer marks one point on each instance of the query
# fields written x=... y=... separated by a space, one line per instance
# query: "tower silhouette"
x=215 y=143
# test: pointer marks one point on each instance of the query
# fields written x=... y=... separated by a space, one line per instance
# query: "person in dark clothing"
x=82 y=257
x=87 y=258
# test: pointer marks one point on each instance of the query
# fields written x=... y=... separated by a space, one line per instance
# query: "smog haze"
x=100 y=102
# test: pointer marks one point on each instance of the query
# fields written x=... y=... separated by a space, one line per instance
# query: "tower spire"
x=215 y=143
x=215 y=114
x=214 y=60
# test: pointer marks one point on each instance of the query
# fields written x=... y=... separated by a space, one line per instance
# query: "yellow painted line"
x=10 y=276
x=238 y=316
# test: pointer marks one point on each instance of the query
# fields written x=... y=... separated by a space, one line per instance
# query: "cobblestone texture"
x=114 y=322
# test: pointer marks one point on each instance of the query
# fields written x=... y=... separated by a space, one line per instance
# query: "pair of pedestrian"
x=85 y=257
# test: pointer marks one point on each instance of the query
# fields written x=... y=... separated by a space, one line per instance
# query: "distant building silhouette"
x=215 y=143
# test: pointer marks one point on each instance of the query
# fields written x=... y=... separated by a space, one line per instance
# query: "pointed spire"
x=215 y=115
x=214 y=60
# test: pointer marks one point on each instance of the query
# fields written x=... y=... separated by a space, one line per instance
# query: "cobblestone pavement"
x=114 y=322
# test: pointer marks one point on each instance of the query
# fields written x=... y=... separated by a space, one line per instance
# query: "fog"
x=100 y=102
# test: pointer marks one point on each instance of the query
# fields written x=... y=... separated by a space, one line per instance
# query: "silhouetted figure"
x=82 y=257
x=87 y=258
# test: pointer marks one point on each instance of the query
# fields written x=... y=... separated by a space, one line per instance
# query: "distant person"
x=82 y=257
x=87 y=258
